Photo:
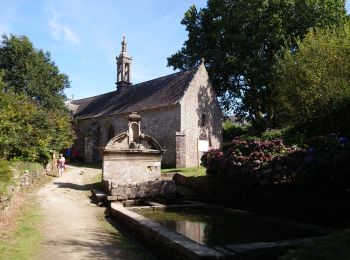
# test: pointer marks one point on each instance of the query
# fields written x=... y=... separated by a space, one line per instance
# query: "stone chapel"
x=179 y=110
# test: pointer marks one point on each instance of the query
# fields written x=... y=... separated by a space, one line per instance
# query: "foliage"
x=289 y=135
x=244 y=158
x=30 y=132
x=326 y=164
x=19 y=167
x=270 y=134
x=5 y=175
x=313 y=90
x=335 y=246
x=32 y=72
x=241 y=40
x=232 y=130
x=5 y=172
x=312 y=184
x=33 y=118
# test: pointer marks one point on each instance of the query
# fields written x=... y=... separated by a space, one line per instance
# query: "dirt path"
x=74 y=228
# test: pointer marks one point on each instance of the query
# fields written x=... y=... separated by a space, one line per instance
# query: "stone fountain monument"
x=132 y=164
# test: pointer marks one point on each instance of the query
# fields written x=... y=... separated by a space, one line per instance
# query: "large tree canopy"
x=313 y=86
x=33 y=116
x=32 y=72
x=241 y=41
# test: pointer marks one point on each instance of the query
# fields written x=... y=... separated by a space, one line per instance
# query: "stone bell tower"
x=123 y=68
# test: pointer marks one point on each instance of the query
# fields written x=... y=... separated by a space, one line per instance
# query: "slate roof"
x=160 y=92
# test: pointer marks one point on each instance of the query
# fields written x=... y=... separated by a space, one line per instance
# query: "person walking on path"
x=61 y=164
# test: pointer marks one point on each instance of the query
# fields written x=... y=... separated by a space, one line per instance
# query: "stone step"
x=99 y=195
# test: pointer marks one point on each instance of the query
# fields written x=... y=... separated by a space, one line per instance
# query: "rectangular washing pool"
x=213 y=227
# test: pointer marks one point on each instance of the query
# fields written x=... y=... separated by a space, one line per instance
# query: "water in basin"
x=217 y=228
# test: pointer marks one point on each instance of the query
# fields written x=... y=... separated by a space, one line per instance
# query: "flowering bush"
x=247 y=157
x=269 y=176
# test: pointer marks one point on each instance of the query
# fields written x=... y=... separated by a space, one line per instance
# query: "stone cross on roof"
x=124 y=45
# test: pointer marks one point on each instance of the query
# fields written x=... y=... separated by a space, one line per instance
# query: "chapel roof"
x=159 y=92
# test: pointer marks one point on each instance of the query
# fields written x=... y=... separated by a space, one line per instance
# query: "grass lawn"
x=23 y=240
x=189 y=172
x=335 y=246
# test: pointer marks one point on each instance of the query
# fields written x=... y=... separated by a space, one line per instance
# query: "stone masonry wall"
x=21 y=180
x=160 y=123
x=200 y=100
x=149 y=189
x=131 y=167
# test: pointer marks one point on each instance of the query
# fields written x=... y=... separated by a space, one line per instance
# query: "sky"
x=84 y=36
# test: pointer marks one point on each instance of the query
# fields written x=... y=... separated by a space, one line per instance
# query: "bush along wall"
x=311 y=183
x=13 y=177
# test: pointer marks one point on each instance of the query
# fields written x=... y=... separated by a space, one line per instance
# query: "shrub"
x=312 y=89
x=5 y=175
x=245 y=157
x=312 y=184
x=232 y=130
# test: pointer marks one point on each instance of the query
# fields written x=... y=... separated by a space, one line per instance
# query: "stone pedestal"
x=132 y=160
x=131 y=166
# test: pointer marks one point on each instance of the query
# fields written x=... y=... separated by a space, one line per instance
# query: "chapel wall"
x=200 y=99
x=160 y=123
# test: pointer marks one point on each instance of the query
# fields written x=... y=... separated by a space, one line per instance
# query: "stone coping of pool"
x=162 y=240
x=165 y=241
x=268 y=219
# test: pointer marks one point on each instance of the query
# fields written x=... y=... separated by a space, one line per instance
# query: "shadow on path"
x=74 y=186
x=100 y=245
x=86 y=165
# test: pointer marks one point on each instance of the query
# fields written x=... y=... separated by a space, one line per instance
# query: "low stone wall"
x=148 y=189
x=20 y=181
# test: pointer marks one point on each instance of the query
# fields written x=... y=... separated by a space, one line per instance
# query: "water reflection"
x=214 y=228
x=192 y=230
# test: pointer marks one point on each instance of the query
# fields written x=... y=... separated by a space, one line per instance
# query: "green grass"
x=189 y=172
x=23 y=240
x=335 y=246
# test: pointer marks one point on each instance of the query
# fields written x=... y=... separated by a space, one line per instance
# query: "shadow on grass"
x=165 y=170
x=190 y=171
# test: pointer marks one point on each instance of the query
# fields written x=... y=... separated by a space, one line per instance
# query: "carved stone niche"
x=131 y=157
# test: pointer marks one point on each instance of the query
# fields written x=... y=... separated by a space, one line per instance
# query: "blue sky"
x=84 y=36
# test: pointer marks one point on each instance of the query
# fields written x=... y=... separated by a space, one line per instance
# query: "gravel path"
x=73 y=227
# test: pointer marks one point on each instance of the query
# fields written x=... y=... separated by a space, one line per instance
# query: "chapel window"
x=204 y=119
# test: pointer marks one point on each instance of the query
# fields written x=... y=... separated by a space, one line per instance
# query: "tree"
x=31 y=71
x=33 y=116
x=241 y=41
x=313 y=85
x=28 y=131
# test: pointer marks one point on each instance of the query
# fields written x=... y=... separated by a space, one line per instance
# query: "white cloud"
x=60 y=31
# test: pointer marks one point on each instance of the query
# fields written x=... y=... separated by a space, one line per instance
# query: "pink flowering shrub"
x=254 y=158
x=312 y=184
